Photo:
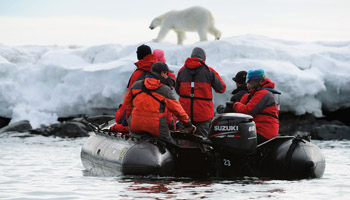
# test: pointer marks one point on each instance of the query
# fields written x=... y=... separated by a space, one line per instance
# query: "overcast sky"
x=94 y=22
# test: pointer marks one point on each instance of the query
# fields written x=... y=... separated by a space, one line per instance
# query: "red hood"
x=193 y=63
x=152 y=83
x=266 y=84
x=172 y=75
x=147 y=62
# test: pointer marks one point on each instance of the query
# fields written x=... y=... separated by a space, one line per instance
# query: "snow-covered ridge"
x=41 y=83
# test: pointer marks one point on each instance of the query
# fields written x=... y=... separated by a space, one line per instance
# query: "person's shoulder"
x=241 y=92
x=166 y=91
x=137 y=84
x=213 y=71
x=165 y=87
x=181 y=68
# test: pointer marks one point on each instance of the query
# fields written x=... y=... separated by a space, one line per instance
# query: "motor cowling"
x=233 y=133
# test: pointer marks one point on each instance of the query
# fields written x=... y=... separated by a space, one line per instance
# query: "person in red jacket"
x=194 y=84
x=143 y=67
x=261 y=103
x=160 y=55
x=171 y=119
x=149 y=99
x=144 y=64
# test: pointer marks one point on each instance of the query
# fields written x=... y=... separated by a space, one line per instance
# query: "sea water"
x=50 y=168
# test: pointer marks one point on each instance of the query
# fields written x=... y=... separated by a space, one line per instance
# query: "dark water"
x=50 y=168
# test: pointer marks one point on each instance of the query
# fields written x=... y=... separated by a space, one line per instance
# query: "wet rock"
x=100 y=119
x=20 y=126
x=46 y=130
x=317 y=128
x=97 y=119
x=4 y=121
x=291 y=124
x=331 y=132
x=71 y=117
x=73 y=130
x=70 y=129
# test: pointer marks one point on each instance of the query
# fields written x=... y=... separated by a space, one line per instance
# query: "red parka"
x=194 y=84
x=148 y=114
x=262 y=104
x=143 y=67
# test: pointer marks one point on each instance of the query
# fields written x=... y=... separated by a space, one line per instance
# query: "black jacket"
x=238 y=93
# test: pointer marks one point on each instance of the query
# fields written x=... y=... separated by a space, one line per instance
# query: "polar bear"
x=193 y=19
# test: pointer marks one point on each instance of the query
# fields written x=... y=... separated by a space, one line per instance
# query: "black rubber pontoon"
x=230 y=152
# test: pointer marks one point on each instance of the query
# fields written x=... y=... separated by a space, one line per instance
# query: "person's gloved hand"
x=229 y=107
x=119 y=128
x=220 y=109
x=106 y=130
x=125 y=122
x=191 y=130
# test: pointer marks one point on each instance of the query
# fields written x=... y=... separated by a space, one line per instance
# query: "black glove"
x=220 y=109
x=229 y=107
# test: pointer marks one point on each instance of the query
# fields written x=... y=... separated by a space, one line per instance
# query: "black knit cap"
x=240 y=77
x=199 y=53
x=160 y=67
x=143 y=51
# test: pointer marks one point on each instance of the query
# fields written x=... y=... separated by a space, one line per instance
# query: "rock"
x=97 y=119
x=331 y=132
x=291 y=124
x=73 y=130
x=20 y=126
x=100 y=119
x=46 y=130
x=317 y=128
x=63 y=119
x=4 y=121
x=70 y=129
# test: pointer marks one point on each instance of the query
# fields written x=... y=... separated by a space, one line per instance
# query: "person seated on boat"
x=149 y=99
x=171 y=119
x=143 y=67
x=237 y=94
x=261 y=103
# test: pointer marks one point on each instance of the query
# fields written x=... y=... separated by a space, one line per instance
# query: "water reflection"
x=185 y=188
x=51 y=168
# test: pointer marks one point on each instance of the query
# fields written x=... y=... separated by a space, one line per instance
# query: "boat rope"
x=291 y=150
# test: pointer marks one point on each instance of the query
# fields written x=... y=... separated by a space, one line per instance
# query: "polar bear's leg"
x=217 y=34
x=161 y=35
x=180 y=37
x=202 y=32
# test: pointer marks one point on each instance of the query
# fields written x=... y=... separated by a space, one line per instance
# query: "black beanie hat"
x=199 y=53
x=240 y=77
x=160 y=67
x=143 y=51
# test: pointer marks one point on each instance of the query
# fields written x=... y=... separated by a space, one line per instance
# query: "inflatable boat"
x=230 y=151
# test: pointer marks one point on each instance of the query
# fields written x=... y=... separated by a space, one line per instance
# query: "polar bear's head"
x=155 y=23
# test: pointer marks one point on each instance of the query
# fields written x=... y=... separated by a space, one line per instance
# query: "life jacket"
x=143 y=68
x=262 y=104
x=194 y=84
x=149 y=99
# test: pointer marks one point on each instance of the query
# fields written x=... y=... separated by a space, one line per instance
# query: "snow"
x=41 y=83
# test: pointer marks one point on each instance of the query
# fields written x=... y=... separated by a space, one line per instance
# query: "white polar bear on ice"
x=193 y=19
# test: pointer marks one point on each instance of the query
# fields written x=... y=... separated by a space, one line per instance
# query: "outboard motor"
x=233 y=133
